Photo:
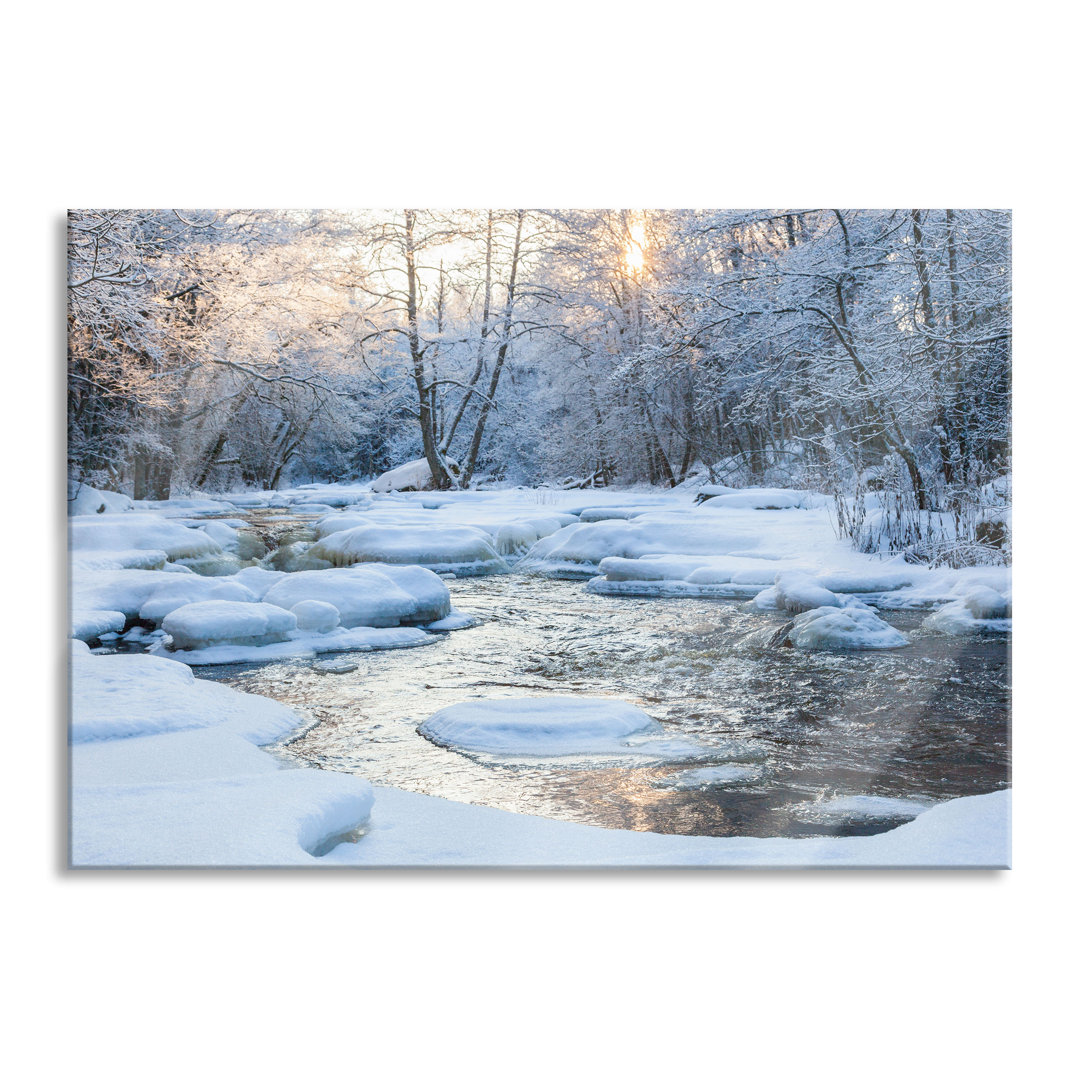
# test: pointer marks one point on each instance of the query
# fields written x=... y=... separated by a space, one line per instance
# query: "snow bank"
x=764 y=499
x=543 y=727
x=368 y=595
x=406 y=829
x=82 y=499
x=164 y=773
x=458 y=549
x=123 y=532
x=226 y=622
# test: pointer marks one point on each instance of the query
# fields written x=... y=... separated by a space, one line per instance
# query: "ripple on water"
x=925 y=723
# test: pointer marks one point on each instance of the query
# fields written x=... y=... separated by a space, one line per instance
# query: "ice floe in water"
x=863 y=808
x=541 y=727
x=713 y=776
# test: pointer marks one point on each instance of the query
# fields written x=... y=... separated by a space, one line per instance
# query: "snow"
x=165 y=771
x=122 y=532
x=980 y=609
x=225 y=536
x=306 y=645
x=371 y=594
x=796 y=593
x=412 y=476
x=458 y=549
x=146 y=594
x=407 y=829
x=83 y=499
x=850 y=628
x=226 y=622
x=764 y=499
x=316 y=616
x=551 y=727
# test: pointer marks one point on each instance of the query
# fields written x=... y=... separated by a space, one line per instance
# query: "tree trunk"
x=500 y=359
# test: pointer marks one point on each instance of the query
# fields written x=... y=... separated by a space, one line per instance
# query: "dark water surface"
x=926 y=723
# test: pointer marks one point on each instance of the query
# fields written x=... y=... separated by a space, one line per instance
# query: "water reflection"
x=927 y=722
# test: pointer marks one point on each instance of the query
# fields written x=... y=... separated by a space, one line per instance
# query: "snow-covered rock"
x=368 y=594
x=316 y=616
x=544 y=727
x=225 y=622
x=412 y=476
x=979 y=609
x=458 y=549
x=123 y=532
x=847 y=628
x=796 y=593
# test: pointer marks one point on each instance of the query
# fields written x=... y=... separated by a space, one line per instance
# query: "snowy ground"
x=166 y=769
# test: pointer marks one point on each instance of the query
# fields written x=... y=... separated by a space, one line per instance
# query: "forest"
x=860 y=353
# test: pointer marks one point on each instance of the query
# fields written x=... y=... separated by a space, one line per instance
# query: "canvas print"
x=542 y=538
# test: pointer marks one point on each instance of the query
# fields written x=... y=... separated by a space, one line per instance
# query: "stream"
x=797 y=729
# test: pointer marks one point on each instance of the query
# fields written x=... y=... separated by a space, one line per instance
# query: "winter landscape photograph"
x=539 y=537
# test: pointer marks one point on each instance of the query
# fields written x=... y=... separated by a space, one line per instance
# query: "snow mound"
x=980 y=609
x=797 y=593
x=123 y=532
x=848 y=628
x=368 y=595
x=544 y=727
x=87 y=625
x=412 y=476
x=458 y=549
x=178 y=592
x=226 y=622
x=316 y=616
x=87 y=500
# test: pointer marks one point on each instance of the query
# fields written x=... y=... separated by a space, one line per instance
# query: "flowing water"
x=798 y=728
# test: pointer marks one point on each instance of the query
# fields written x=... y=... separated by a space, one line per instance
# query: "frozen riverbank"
x=166 y=771
x=134 y=780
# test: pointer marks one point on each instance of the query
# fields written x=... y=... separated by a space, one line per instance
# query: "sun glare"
x=635 y=246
